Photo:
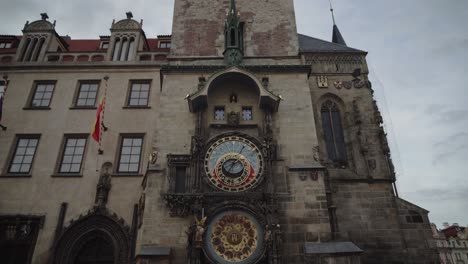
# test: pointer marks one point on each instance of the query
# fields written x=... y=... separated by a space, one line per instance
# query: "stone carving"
x=265 y=82
x=153 y=158
x=40 y=25
x=233 y=98
x=322 y=81
x=356 y=83
x=197 y=146
x=343 y=59
x=98 y=221
x=199 y=231
x=126 y=24
x=104 y=185
x=372 y=163
x=316 y=154
x=377 y=115
x=180 y=205
x=233 y=118
x=141 y=209
x=356 y=112
x=343 y=84
x=201 y=82
x=274 y=243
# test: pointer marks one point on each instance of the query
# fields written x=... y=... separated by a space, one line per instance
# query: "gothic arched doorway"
x=98 y=250
x=98 y=238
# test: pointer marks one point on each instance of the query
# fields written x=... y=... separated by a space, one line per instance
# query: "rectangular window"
x=72 y=155
x=180 y=179
x=219 y=113
x=247 y=113
x=42 y=94
x=87 y=94
x=130 y=154
x=23 y=156
x=5 y=45
x=164 y=45
x=104 y=45
x=139 y=93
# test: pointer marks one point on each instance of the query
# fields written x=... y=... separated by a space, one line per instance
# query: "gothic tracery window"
x=333 y=132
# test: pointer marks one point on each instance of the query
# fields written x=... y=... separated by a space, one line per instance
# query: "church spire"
x=336 y=37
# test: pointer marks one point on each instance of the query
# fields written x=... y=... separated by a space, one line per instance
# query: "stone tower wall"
x=198 y=27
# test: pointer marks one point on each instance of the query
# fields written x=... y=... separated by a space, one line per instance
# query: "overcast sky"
x=418 y=56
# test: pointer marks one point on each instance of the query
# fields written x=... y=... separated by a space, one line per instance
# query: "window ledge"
x=13 y=175
x=136 y=107
x=36 y=108
x=121 y=174
x=65 y=175
x=83 y=108
x=216 y=125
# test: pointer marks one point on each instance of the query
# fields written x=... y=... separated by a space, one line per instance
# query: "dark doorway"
x=96 y=251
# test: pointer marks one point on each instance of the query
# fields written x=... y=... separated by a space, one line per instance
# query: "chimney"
x=445 y=225
x=455 y=224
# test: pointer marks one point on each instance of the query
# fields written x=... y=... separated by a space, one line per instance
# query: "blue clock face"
x=234 y=164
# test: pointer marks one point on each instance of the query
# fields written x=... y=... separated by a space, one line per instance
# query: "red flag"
x=98 y=123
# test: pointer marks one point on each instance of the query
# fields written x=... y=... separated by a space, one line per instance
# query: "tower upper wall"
x=269 y=29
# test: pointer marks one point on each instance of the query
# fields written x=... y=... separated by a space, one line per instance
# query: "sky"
x=418 y=57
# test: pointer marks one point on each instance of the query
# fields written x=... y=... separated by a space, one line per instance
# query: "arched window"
x=333 y=132
x=117 y=47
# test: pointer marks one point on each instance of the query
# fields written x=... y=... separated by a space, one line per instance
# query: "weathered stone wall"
x=362 y=191
x=198 y=27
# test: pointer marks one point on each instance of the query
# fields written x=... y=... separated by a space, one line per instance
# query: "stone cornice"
x=252 y=68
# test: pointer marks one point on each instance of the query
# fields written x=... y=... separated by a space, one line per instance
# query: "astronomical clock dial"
x=234 y=237
x=234 y=164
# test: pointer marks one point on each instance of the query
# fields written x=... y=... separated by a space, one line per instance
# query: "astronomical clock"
x=234 y=164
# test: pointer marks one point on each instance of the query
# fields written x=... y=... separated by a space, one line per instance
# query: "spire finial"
x=232 y=8
x=333 y=14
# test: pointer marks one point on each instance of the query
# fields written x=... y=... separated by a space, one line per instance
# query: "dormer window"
x=5 y=45
x=104 y=44
x=165 y=45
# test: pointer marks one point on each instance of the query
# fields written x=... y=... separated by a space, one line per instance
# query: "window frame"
x=30 y=101
x=219 y=107
x=123 y=136
x=167 y=44
x=336 y=135
x=245 y=107
x=6 y=44
x=78 y=91
x=129 y=94
x=66 y=137
x=103 y=44
x=12 y=153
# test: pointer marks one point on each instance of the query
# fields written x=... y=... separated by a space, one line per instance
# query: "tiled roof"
x=310 y=44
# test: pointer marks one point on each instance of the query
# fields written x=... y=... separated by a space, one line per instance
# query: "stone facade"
x=452 y=243
x=303 y=204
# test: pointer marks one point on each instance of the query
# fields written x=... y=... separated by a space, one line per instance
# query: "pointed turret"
x=336 y=36
x=233 y=35
x=232 y=13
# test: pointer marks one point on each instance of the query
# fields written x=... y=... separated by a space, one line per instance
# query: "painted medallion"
x=234 y=237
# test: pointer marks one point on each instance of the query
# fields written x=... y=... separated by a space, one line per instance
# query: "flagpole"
x=5 y=79
x=104 y=128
